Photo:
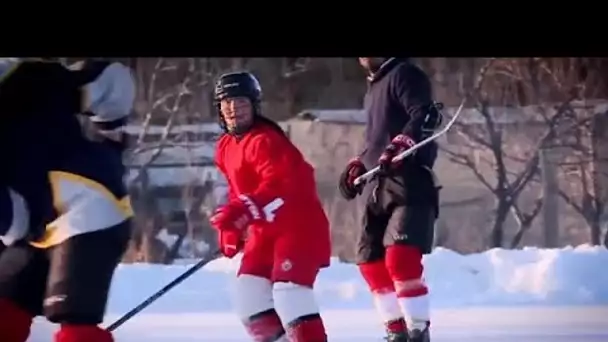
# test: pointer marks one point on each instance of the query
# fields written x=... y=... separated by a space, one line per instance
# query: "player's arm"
x=411 y=88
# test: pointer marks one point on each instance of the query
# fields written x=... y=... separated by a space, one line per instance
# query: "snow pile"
x=532 y=276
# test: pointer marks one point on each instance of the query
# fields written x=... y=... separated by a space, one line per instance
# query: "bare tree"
x=579 y=187
x=173 y=92
x=503 y=161
x=581 y=175
x=581 y=166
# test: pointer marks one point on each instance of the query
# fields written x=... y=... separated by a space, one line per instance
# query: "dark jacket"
x=40 y=132
x=397 y=102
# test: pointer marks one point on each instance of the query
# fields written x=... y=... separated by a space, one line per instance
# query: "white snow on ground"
x=544 y=294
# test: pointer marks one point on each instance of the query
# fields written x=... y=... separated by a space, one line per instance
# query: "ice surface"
x=497 y=296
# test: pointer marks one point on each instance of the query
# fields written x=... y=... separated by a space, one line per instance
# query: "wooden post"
x=550 y=204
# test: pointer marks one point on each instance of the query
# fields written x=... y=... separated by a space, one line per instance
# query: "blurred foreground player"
x=402 y=203
x=273 y=215
x=64 y=210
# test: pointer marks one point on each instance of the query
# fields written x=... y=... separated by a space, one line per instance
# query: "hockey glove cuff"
x=354 y=169
x=230 y=242
x=399 y=144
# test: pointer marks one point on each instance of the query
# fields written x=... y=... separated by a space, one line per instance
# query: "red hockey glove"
x=231 y=242
x=236 y=215
x=399 y=144
x=354 y=169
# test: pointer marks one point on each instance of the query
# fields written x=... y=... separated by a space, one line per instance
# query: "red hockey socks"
x=307 y=329
x=404 y=264
x=265 y=326
x=15 y=322
x=382 y=287
x=297 y=307
x=82 y=333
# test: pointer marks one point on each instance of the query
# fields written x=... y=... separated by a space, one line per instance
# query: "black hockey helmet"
x=237 y=84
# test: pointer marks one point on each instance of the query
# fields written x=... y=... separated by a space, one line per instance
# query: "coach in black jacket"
x=402 y=203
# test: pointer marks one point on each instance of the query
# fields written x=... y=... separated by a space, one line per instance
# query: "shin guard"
x=382 y=287
x=254 y=306
x=298 y=310
x=15 y=322
x=404 y=264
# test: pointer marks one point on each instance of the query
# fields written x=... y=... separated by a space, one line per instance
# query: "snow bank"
x=532 y=276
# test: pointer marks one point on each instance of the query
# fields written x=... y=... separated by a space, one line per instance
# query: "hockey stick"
x=204 y=261
x=373 y=172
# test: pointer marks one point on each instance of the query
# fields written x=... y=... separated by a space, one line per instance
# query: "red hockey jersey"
x=265 y=167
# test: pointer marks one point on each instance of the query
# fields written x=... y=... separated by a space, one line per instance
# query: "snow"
x=498 y=295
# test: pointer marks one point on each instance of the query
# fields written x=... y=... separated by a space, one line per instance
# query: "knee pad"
x=255 y=308
x=404 y=264
x=297 y=307
x=15 y=323
x=82 y=333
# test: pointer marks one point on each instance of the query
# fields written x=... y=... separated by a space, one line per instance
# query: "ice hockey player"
x=402 y=203
x=64 y=209
x=273 y=214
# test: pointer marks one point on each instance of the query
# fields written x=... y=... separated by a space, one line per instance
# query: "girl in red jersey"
x=273 y=202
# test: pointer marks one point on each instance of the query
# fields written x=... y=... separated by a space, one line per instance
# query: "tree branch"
x=466 y=161
x=524 y=220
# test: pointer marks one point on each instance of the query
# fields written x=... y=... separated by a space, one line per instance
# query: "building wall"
x=466 y=204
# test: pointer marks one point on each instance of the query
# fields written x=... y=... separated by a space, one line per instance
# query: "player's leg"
x=80 y=275
x=410 y=236
x=296 y=266
x=372 y=266
x=23 y=274
x=253 y=291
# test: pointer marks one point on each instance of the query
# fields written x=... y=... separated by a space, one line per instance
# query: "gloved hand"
x=354 y=169
x=237 y=214
x=231 y=242
x=231 y=221
x=399 y=144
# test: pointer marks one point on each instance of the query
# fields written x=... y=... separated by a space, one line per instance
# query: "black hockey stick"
x=204 y=261
x=373 y=172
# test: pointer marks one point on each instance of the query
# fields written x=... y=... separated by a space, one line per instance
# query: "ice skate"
x=396 y=337
x=420 y=334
